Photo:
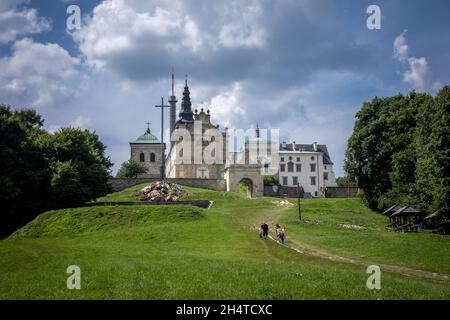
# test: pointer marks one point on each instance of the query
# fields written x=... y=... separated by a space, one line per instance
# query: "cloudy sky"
x=304 y=67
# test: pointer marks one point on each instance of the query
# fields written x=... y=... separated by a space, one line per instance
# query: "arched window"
x=141 y=157
x=152 y=157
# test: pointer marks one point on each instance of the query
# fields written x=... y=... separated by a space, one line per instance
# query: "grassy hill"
x=184 y=252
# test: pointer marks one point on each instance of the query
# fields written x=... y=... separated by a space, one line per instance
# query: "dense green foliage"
x=131 y=169
x=25 y=173
x=399 y=152
x=345 y=182
x=270 y=180
x=184 y=252
x=41 y=171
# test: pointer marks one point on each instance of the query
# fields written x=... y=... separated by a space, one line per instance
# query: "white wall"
x=304 y=176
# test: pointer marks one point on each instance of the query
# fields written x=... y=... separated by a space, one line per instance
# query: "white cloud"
x=418 y=75
x=401 y=49
x=115 y=27
x=244 y=27
x=227 y=108
x=38 y=75
x=15 y=22
x=81 y=122
x=124 y=31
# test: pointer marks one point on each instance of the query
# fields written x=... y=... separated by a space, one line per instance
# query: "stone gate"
x=249 y=174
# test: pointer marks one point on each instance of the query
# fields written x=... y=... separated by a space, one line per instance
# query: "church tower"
x=173 y=108
x=146 y=149
x=186 y=114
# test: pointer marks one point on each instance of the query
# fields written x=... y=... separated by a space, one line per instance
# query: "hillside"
x=184 y=252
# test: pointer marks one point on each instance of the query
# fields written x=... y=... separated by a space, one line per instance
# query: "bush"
x=131 y=169
x=270 y=180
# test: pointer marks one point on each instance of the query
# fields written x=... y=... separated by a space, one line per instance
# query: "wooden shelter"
x=406 y=219
x=391 y=210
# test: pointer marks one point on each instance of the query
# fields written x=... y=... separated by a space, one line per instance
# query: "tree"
x=440 y=143
x=399 y=151
x=131 y=169
x=378 y=133
x=41 y=171
x=345 y=182
x=25 y=176
x=270 y=180
x=80 y=170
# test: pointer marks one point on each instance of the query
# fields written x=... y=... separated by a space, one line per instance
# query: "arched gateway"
x=247 y=174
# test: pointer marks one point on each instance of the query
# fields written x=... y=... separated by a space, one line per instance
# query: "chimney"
x=314 y=145
x=293 y=145
x=283 y=145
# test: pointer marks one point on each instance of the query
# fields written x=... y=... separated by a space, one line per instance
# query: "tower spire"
x=173 y=107
x=173 y=81
x=186 y=113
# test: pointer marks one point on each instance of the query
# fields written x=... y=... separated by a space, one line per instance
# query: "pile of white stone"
x=161 y=191
x=282 y=203
x=351 y=226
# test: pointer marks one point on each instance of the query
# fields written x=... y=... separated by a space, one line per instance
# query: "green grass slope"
x=184 y=252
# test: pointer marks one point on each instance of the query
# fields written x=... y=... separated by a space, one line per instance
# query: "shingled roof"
x=308 y=148
x=405 y=211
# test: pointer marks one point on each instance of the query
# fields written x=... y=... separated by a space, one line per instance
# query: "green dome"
x=147 y=137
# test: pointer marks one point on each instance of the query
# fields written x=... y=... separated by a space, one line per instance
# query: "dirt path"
x=408 y=272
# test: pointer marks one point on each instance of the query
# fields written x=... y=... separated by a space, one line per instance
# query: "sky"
x=303 y=67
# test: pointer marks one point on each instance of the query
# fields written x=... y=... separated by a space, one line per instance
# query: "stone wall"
x=341 y=192
x=291 y=192
x=214 y=184
x=281 y=191
x=118 y=184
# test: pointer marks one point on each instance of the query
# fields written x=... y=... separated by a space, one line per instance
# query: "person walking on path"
x=265 y=228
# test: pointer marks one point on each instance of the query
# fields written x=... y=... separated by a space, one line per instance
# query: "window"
x=298 y=159
x=285 y=181
x=312 y=158
x=295 y=180
x=313 y=181
x=152 y=157
x=325 y=176
x=282 y=159
x=298 y=167
x=290 y=158
x=266 y=167
x=325 y=167
x=141 y=157
x=313 y=167
x=282 y=167
x=290 y=167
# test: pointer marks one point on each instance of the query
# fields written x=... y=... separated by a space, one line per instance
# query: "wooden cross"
x=162 y=106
